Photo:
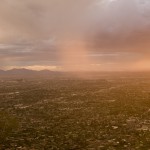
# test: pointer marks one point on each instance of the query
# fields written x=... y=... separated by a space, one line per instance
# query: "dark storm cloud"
x=36 y=51
x=122 y=26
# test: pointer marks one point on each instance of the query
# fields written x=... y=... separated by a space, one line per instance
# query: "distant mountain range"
x=28 y=73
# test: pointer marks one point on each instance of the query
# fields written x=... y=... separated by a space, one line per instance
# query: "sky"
x=75 y=35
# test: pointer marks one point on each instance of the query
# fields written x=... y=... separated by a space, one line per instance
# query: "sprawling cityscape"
x=111 y=112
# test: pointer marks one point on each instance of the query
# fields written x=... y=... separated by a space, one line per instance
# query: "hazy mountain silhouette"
x=28 y=73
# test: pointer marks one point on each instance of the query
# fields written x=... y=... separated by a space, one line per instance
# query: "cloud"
x=35 y=67
x=37 y=33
